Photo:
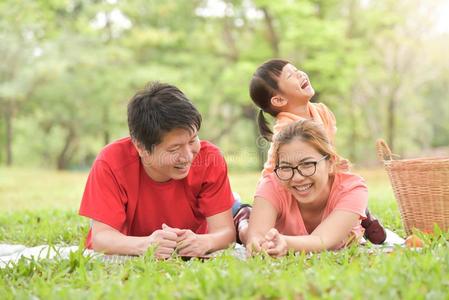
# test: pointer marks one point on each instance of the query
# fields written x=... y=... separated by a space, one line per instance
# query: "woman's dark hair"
x=158 y=109
x=263 y=86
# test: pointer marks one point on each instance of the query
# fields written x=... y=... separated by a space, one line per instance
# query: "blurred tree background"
x=69 y=67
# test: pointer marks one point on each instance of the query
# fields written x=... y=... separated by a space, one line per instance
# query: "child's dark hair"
x=262 y=88
x=158 y=109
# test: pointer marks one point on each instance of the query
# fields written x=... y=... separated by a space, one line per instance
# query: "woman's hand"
x=274 y=243
x=254 y=245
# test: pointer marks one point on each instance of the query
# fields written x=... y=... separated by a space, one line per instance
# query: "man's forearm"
x=111 y=242
x=220 y=239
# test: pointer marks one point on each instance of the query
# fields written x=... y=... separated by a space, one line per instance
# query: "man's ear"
x=140 y=149
x=278 y=101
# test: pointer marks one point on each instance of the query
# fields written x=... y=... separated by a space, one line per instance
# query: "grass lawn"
x=40 y=207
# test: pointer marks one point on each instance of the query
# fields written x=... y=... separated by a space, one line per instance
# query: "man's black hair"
x=158 y=109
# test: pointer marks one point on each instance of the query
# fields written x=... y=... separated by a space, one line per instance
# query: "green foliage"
x=71 y=66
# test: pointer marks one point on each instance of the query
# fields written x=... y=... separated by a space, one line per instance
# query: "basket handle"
x=383 y=151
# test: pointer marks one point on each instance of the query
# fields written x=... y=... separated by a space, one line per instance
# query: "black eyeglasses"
x=305 y=169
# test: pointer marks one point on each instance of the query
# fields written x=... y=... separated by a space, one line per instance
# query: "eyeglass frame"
x=299 y=170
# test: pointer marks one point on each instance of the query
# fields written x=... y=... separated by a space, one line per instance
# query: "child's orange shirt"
x=348 y=193
x=320 y=113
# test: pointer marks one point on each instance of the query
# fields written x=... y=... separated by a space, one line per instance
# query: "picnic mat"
x=11 y=254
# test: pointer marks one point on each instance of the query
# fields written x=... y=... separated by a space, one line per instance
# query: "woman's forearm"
x=307 y=243
x=330 y=233
x=254 y=235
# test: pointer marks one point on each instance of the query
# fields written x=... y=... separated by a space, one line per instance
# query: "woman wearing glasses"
x=306 y=204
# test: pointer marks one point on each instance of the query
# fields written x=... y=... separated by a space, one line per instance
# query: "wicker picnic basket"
x=421 y=188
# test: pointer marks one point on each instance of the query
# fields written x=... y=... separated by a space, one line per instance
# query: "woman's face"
x=301 y=155
x=295 y=84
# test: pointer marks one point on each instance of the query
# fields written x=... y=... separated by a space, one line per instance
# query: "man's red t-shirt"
x=119 y=192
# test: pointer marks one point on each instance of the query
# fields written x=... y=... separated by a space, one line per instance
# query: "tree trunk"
x=233 y=51
x=67 y=151
x=354 y=134
x=8 y=116
x=352 y=103
x=392 y=102
x=106 y=133
x=272 y=36
x=226 y=130
x=391 y=121
x=250 y=113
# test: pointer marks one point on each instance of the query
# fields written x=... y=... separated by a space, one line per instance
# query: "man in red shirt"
x=161 y=186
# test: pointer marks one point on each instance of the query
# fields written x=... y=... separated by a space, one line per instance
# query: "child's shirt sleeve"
x=329 y=120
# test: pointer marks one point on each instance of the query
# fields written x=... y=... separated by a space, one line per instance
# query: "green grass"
x=30 y=189
x=39 y=207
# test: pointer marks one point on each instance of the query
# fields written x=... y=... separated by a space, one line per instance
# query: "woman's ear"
x=332 y=166
x=278 y=101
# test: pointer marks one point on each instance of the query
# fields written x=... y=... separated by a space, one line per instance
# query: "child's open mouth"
x=305 y=84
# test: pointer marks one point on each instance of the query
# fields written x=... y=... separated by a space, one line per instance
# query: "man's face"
x=173 y=157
